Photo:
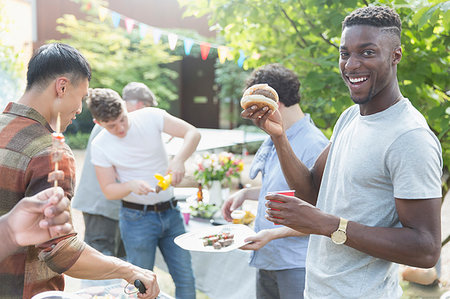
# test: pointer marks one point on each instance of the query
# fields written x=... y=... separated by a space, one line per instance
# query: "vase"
x=215 y=193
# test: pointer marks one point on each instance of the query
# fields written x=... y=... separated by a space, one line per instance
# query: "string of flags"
x=223 y=52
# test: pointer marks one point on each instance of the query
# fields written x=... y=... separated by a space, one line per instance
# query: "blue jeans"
x=284 y=284
x=143 y=231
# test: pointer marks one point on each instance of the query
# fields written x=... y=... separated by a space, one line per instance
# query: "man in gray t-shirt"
x=373 y=197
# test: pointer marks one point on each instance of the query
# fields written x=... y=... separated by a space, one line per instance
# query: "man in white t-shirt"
x=373 y=197
x=126 y=157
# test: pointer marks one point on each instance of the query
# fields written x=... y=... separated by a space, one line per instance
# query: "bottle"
x=199 y=193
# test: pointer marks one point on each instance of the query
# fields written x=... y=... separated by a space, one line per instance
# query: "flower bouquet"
x=221 y=167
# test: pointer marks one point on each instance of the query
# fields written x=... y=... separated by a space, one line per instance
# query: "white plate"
x=193 y=240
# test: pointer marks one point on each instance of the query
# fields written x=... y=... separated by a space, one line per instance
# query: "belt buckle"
x=155 y=208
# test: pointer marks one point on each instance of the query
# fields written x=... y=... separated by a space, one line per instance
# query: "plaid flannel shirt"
x=25 y=162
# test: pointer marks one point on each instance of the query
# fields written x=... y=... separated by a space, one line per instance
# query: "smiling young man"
x=373 y=197
x=57 y=81
x=126 y=156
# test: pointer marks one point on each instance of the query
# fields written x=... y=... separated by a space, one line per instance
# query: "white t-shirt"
x=137 y=156
x=372 y=160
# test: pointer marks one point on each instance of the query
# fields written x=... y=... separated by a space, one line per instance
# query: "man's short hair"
x=377 y=16
x=283 y=80
x=105 y=104
x=139 y=91
x=53 y=60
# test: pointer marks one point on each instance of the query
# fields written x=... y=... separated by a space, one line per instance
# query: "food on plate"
x=242 y=217
x=163 y=182
x=218 y=241
x=203 y=210
x=260 y=95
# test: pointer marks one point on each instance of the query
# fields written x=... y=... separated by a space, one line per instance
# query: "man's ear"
x=61 y=86
x=96 y=122
x=397 y=55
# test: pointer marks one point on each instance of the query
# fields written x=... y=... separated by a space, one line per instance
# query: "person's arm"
x=34 y=220
x=264 y=236
x=117 y=190
x=416 y=243
x=236 y=199
x=94 y=265
x=300 y=178
x=179 y=128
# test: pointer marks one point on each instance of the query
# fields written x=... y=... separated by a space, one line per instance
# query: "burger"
x=260 y=95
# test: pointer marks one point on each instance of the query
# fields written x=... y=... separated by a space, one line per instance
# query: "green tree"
x=117 y=58
x=11 y=64
x=304 y=36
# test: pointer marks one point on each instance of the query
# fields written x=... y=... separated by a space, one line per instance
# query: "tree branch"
x=314 y=27
x=305 y=44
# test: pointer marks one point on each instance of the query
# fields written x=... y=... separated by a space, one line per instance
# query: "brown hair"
x=105 y=104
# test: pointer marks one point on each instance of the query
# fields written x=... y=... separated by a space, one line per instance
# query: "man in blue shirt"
x=281 y=262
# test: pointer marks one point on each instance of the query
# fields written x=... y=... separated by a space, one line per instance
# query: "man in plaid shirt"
x=57 y=80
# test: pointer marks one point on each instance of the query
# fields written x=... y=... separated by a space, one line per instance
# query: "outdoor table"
x=220 y=275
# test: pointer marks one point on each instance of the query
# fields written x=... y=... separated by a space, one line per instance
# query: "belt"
x=159 y=207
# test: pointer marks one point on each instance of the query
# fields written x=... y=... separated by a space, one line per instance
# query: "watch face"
x=339 y=237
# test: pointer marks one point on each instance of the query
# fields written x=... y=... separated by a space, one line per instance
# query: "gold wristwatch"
x=340 y=235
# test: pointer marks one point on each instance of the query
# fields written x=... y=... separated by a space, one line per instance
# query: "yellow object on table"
x=242 y=217
x=163 y=181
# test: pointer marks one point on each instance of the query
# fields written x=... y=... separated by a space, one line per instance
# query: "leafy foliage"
x=117 y=58
x=304 y=36
x=11 y=64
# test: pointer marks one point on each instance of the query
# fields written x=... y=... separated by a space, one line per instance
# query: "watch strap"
x=343 y=224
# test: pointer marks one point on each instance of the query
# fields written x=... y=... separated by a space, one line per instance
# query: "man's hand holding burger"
x=260 y=102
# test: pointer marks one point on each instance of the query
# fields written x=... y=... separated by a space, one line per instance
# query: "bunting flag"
x=142 y=30
x=188 y=43
x=204 y=49
x=156 y=35
x=172 y=40
x=223 y=53
x=241 y=58
x=129 y=24
x=102 y=13
x=115 y=18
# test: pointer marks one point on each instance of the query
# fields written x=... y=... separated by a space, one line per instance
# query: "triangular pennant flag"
x=204 y=49
x=241 y=58
x=102 y=12
x=115 y=18
x=172 y=40
x=223 y=53
x=156 y=35
x=129 y=24
x=88 y=6
x=142 y=30
x=188 y=42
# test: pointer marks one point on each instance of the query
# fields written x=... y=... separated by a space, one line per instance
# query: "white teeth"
x=356 y=80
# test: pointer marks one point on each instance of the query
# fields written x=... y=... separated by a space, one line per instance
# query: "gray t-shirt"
x=373 y=159
x=89 y=197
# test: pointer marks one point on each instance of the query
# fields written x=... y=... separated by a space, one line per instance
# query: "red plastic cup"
x=285 y=192
x=186 y=216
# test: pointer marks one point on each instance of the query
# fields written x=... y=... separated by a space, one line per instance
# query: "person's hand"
x=148 y=278
x=176 y=168
x=294 y=213
x=258 y=241
x=39 y=218
x=232 y=203
x=140 y=187
x=263 y=118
